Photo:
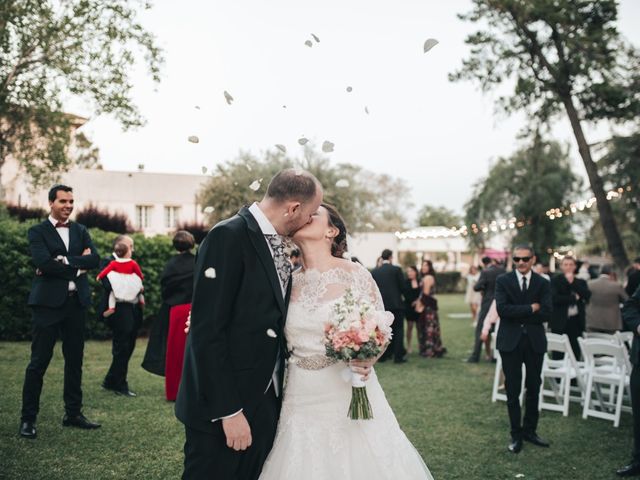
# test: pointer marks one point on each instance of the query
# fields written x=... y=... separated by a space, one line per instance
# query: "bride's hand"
x=362 y=367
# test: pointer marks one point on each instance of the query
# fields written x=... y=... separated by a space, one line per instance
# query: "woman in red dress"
x=177 y=287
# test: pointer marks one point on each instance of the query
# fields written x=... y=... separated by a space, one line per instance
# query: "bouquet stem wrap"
x=360 y=408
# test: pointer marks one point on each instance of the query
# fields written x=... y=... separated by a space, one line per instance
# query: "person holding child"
x=126 y=317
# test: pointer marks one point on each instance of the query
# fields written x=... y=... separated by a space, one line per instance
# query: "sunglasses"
x=521 y=259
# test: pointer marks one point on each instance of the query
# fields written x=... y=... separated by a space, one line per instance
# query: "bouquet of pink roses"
x=357 y=332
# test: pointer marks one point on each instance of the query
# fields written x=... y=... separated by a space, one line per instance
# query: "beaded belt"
x=314 y=362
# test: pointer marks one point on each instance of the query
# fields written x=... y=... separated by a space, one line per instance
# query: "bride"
x=315 y=439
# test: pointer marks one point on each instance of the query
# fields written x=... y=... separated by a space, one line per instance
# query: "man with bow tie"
x=62 y=252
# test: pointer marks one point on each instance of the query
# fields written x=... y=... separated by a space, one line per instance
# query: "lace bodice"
x=313 y=295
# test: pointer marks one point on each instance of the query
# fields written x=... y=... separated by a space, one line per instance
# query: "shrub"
x=22 y=213
x=16 y=271
x=449 y=282
x=95 y=217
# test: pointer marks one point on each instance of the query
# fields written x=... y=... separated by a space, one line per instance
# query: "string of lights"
x=504 y=224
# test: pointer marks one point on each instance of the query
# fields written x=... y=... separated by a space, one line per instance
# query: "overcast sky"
x=438 y=136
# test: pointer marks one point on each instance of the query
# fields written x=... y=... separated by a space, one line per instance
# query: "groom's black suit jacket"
x=231 y=349
x=51 y=288
x=516 y=316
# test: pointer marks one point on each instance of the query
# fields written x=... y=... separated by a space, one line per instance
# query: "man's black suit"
x=522 y=339
x=390 y=281
x=485 y=284
x=124 y=324
x=631 y=320
x=57 y=312
x=633 y=282
x=563 y=296
x=236 y=338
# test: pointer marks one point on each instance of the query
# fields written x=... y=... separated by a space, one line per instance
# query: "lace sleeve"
x=368 y=288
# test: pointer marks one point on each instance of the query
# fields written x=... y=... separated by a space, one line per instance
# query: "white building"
x=154 y=202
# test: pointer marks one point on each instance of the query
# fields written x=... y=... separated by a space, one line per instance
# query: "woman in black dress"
x=411 y=292
x=429 y=335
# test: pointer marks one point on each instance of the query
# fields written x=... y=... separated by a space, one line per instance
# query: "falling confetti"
x=208 y=209
x=204 y=170
x=228 y=97
x=308 y=43
x=327 y=146
x=284 y=106
x=315 y=37
x=210 y=272
x=366 y=110
x=248 y=166
x=255 y=185
x=429 y=44
x=303 y=140
x=370 y=226
x=197 y=107
x=282 y=148
x=342 y=183
x=349 y=89
x=193 y=139
x=519 y=475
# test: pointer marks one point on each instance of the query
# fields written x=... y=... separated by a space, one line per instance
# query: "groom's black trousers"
x=208 y=457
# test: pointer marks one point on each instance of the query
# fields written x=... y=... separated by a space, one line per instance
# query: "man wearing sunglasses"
x=523 y=300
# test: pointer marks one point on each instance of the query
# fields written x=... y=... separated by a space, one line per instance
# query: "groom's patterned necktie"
x=283 y=266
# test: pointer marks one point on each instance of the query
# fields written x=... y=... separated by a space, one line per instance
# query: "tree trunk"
x=607 y=220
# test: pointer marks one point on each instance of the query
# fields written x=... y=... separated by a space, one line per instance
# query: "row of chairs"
x=600 y=383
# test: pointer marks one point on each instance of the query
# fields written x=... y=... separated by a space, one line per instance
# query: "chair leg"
x=620 y=389
x=496 y=379
x=587 y=397
x=567 y=394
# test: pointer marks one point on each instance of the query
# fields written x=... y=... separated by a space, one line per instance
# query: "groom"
x=229 y=397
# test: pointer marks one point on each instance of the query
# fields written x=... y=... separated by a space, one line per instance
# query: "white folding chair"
x=625 y=338
x=613 y=374
x=601 y=336
x=495 y=392
x=559 y=374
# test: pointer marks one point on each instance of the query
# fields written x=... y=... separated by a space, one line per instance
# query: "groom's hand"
x=237 y=431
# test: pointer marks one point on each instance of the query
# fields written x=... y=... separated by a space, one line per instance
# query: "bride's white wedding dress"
x=315 y=439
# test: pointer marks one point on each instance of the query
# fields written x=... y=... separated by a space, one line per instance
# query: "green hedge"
x=449 y=282
x=16 y=272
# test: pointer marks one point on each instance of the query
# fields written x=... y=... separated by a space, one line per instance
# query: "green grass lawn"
x=442 y=404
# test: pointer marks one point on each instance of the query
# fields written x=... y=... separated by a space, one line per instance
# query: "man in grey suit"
x=603 y=309
x=487 y=285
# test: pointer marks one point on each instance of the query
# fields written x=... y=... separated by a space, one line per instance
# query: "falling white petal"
x=204 y=170
x=429 y=44
x=255 y=185
x=210 y=272
x=327 y=146
x=308 y=43
x=228 y=97
x=281 y=147
x=209 y=209
x=197 y=107
x=271 y=333
x=342 y=183
x=366 y=110
x=248 y=166
x=193 y=139
x=519 y=475
x=303 y=140
x=370 y=226
x=349 y=89
x=315 y=37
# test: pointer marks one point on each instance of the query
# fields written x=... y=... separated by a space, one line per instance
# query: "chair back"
x=593 y=349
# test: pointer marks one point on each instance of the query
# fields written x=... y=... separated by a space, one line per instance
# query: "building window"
x=171 y=216
x=143 y=216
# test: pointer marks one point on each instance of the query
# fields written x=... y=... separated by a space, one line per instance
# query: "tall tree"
x=367 y=201
x=517 y=189
x=430 y=216
x=51 y=51
x=561 y=56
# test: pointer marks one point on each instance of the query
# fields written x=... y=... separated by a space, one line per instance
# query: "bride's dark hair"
x=339 y=243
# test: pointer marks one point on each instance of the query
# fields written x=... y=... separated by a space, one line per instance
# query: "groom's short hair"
x=293 y=184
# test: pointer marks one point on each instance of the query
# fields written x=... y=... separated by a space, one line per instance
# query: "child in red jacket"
x=125 y=277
